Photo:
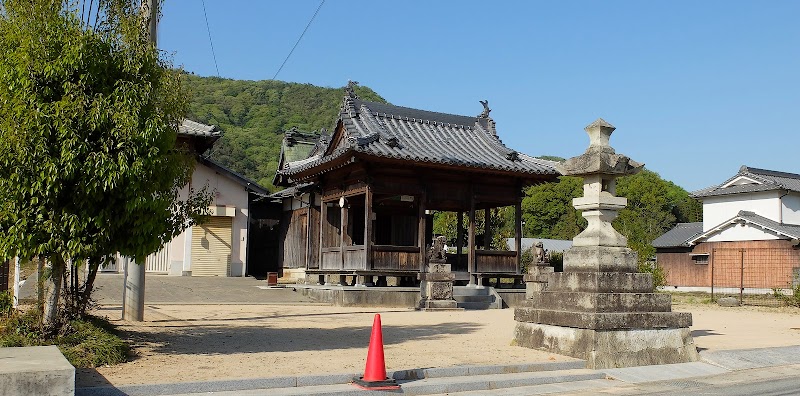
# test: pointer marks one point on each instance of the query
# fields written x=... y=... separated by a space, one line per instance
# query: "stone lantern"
x=600 y=309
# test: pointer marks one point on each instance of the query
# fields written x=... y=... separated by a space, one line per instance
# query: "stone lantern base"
x=609 y=318
x=610 y=348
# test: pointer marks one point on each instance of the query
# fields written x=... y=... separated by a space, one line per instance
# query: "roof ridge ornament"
x=350 y=89
x=486 y=109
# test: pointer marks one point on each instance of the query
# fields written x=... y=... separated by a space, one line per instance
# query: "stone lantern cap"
x=600 y=157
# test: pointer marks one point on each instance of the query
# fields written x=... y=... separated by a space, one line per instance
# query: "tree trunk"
x=92 y=265
x=40 y=286
x=50 y=318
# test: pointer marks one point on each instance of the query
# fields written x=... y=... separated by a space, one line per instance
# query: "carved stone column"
x=436 y=283
x=600 y=309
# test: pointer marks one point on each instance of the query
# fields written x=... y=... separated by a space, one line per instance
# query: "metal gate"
x=158 y=262
x=753 y=275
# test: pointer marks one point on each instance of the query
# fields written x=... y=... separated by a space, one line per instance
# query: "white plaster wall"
x=225 y=192
x=719 y=209
x=791 y=208
x=745 y=232
x=294 y=203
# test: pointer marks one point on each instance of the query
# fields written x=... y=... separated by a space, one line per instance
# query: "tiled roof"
x=679 y=235
x=743 y=217
x=387 y=131
x=765 y=180
x=193 y=128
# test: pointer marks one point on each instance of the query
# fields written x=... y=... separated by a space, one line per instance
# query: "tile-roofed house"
x=750 y=179
x=224 y=244
x=200 y=137
x=751 y=224
x=679 y=236
x=377 y=174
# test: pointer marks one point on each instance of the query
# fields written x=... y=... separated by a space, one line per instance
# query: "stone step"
x=475 y=305
x=471 y=291
x=480 y=299
x=600 y=302
x=447 y=385
x=604 y=320
x=601 y=282
x=414 y=381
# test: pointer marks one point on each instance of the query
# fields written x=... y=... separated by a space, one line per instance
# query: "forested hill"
x=253 y=115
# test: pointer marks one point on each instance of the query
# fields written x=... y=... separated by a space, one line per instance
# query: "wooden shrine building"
x=364 y=193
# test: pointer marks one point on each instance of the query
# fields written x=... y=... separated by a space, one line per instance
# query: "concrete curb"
x=318 y=380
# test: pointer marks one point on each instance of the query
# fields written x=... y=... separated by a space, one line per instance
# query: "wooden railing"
x=397 y=258
x=496 y=261
x=354 y=258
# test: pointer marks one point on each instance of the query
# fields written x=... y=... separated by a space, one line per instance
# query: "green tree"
x=254 y=114
x=88 y=123
x=547 y=209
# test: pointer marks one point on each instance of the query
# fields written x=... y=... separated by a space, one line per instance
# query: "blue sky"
x=695 y=88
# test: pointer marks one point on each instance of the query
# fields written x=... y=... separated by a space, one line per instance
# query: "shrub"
x=793 y=300
x=88 y=342
x=658 y=272
x=6 y=304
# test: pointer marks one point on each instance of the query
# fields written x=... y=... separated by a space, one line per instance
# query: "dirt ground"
x=212 y=342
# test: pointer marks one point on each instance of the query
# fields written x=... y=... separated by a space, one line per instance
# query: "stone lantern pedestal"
x=600 y=309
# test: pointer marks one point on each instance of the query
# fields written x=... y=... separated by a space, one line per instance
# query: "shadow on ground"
x=220 y=339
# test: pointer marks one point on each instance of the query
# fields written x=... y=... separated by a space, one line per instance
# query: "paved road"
x=163 y=289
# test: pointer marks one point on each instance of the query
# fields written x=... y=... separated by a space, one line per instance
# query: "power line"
x=300 y=38
x=213 y=54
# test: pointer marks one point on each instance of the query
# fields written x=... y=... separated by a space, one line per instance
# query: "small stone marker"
x=728 y=302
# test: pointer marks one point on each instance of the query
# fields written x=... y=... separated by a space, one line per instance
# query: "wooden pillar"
x=308 y=229
x=518 y=234
x=368 y=228
x=421 y=230
x=323 y=217
x=343 y=230
x=471 y=263
x=487 y=229
x=460 y=235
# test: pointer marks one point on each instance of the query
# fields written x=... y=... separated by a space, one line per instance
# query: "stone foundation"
x=610 y=348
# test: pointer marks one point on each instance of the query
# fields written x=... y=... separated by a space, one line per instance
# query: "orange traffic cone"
x=375 y=371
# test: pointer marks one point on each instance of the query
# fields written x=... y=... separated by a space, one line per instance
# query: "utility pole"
x=133 y=295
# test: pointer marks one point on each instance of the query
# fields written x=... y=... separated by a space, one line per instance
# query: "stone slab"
x=601 y=302
x=601 y=282
x=39 y=370
x=436 y=276
x=604 y=320
x=753 y=358
x=599 y=259
x=610 y=348
x=664 y=372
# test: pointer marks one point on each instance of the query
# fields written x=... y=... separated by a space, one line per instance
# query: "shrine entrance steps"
x=471 y=297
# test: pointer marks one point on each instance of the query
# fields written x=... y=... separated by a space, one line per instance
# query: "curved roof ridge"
x=767 y=172
x=384 y=110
